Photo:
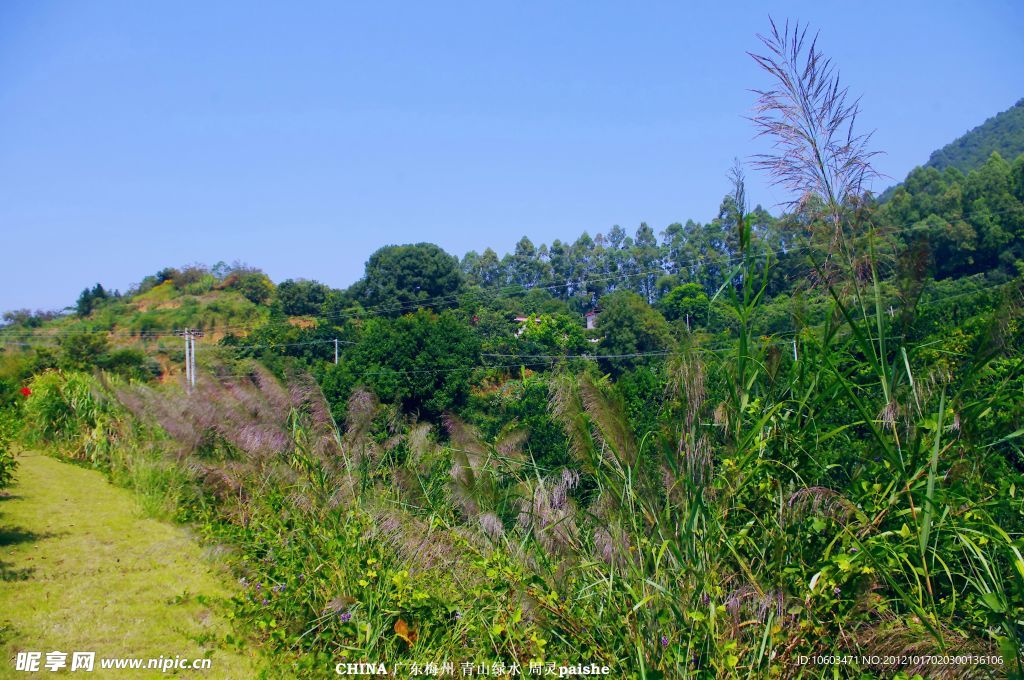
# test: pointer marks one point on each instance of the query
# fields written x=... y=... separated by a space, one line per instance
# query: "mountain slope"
x=1003 y=133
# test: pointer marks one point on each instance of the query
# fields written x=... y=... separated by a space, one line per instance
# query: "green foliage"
x=399 y=279
x=302 y=297
x=629 y=326
x=969 y=224
x=9 y=426
x=688 y=302
x=526 y=404
x=81 y=351
x=254 y=285
x=90 y=351
x=1002 y=134
x=422 y=361
x=67 y=409
x=643 y=394
x=553 y=334
x=822 y=470
x=26 y=318
x=89 y=299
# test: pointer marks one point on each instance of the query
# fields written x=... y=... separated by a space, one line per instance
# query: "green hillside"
x=698 y=450
x=134 y=334
x=1003 y=133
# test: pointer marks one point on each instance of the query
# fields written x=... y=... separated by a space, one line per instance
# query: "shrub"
x=8 y=428
x=302 y=297
x=253 y=284
x=66 y=409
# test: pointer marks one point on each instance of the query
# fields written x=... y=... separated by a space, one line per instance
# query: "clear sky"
x=301 y=137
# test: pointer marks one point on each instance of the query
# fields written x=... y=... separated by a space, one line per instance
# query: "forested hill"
x=687 y=450
x=1002 y=134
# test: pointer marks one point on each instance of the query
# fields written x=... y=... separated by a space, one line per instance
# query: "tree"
x=422 y=361
x=401 y=278
x=88 y=300
x=301 y=297
x=629 y=326
x=82 y=351
x=28 y=318
x=647 y=258
x=253 y=284
x=553 y=333
x=688 y=303
x=482 y=270
x=1017 y=178
x=524 y=266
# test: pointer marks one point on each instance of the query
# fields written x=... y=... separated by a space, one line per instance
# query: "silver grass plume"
x=810 y=119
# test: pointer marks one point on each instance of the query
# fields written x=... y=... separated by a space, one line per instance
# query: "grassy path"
x=82 y=570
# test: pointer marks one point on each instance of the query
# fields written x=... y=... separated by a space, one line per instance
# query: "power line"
x=242 y=346
x=780 y=335
x=493 y=293
x=384 y=308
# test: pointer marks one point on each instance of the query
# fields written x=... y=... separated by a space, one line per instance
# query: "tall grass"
x=749 y=531
x=851 y=498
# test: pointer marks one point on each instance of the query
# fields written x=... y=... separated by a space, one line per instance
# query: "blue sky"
x=301 y=137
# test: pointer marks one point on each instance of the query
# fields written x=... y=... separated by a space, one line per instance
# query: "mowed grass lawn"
x=81 y=569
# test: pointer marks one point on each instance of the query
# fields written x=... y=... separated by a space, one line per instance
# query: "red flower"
x=25 y=391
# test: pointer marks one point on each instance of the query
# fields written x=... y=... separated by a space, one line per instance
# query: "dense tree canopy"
x=970 y=223
x=89 y=298
x=301 y=297
x=1002 y=134
x=629 y=326
x=422 y=361
x=400 y=278
x=688 y=303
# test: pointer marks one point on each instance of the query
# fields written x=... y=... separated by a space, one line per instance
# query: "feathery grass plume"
x=810 y=119
x=609 y=424
x=569 y=480
x=896 y=639
x=466 y=440
x=820 y=500
x=747 y=602
x=612 y=545
x=363 y=407
x=468 y=454
x=889 y=414
x=339 y=604
x=491 y=525
x=694 y=450
x=415 y=541
x=510 y=443
x=475 y=473
x=420 y=443
x=275 y=396
x=408 y=487
x=567 y=409
x=169 y=411
x=594 y=422
x=234 y=433
x=306 y=397
x=548 y=514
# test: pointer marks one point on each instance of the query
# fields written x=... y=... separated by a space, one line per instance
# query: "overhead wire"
x=384 y=308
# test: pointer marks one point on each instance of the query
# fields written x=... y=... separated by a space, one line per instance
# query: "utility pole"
x=190 y=336
x=335 y=350
x=188 y=357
